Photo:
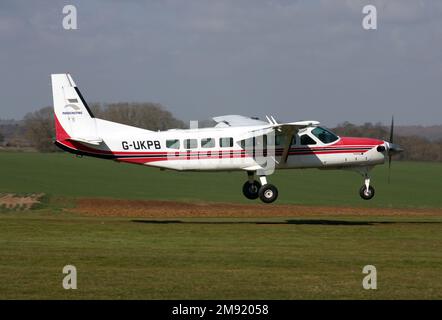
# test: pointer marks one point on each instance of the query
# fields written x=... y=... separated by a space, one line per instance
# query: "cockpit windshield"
x=324 y=135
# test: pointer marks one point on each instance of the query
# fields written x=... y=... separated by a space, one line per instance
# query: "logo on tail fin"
x=74 y=109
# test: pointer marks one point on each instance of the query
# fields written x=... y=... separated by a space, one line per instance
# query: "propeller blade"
x=389 y=167
x=392 y=129
x=389 y=152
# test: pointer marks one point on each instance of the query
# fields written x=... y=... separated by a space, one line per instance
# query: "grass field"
x=64 y=175
x=309 y=257
x=296 y=259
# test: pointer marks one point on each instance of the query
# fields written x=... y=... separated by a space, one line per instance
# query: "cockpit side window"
x=324 y=135
x=306 y=140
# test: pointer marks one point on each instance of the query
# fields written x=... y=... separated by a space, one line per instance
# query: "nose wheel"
x=366 y=191
x=253 y=189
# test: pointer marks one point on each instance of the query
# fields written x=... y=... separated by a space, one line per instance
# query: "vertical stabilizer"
x=73 y=118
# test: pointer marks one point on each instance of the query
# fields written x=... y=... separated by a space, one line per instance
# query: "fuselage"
x=224 y=148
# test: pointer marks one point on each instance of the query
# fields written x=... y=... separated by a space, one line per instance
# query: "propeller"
x=392 y=147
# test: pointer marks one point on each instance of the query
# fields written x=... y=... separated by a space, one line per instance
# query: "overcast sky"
x=291 y=59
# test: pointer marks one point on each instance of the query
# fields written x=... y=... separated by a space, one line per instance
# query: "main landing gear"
x=253 y=189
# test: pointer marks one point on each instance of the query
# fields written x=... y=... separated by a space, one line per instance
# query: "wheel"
x=268 y=193
x=366 y=194
x=250 y=190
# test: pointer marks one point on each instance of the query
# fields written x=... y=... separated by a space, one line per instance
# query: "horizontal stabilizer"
x=93 y=141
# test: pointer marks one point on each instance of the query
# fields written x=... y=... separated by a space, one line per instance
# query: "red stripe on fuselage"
x=352 y=141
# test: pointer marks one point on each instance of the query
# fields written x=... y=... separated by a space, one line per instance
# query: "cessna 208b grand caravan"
x=235 y=143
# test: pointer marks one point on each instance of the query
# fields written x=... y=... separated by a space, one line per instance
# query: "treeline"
x=415 y=148
x=37 y=130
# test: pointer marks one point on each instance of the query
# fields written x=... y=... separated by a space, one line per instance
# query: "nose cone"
x=393 y=148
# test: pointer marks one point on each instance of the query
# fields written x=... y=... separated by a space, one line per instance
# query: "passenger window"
x=279 y=139
x=248 y=143
x=173 y=144
x=190 y=143
x=225 y=142
x=208 y=143
x=306 y=140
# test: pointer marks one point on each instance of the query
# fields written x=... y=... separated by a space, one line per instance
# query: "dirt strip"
x=166 y=209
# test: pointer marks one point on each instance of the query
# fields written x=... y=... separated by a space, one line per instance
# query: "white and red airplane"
x=234 y=143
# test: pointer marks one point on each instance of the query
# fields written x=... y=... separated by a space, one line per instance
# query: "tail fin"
x=73 y=118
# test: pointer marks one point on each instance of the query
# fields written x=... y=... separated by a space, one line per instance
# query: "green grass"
x=280 y=258
x=64 y=175
x=298 y=258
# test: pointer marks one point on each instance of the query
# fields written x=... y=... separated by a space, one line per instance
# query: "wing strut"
x=288 y=135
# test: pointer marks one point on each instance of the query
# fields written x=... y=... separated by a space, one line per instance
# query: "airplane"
x=235 y=143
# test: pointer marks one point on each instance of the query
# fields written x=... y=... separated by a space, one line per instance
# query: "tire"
x=250 y=190
x=268 y=193
x=366 y=194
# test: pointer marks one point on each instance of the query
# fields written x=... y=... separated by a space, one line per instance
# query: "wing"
x=238 y=121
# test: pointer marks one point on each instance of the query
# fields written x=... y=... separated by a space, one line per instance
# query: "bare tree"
x=151 y=116
x=39 y=129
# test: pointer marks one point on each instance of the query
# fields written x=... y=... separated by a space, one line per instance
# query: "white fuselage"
x=223 y=149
